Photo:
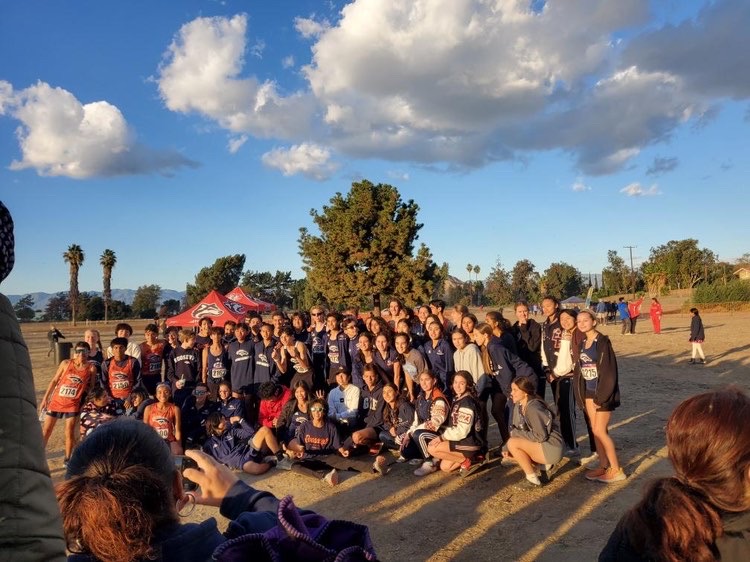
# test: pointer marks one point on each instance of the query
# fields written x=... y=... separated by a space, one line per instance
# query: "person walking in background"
x=655 y=312
x=697 y=335
x=601 y=312
x=622 y=308
x=634 y=309
x=53 y=336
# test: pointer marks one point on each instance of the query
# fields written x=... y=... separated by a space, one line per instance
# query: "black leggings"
x=498 y=408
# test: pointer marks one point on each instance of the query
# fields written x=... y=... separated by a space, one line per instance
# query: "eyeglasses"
x=200 y=392
x=316 y=314
x=316 y=409
x=82 y=350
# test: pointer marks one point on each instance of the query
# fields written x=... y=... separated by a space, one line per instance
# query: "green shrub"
x=734 y=291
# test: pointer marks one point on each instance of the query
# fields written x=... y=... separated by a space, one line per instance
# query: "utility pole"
x=632 y=271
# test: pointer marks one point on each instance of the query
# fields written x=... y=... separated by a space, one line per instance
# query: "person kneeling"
x=535 y=432
x=234 y=443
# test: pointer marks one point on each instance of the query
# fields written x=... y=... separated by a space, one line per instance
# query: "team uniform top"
x=384 y=365
x=241 y=356
x=121 y=377
x=318 y=440
x=464 y=429
x=151 y=359
x=231 y=407
x=265 y=367
x=414 y=363
x=337 y=355
x=71 y=388
x=217 y=366
x=231 y=448
x=372 y=405
x=430 y=413
x=163 y=421
x=440 y=359
x=184 y=364
x=399 y=419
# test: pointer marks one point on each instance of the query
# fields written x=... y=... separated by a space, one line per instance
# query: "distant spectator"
x=53 y=336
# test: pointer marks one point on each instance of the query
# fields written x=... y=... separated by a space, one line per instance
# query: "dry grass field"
x=489 y=516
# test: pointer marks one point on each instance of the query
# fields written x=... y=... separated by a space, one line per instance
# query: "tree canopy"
x=270 y=287
x=146 y=300
x=682 y=263
x=497 y=287
x=74 y=257
x=222 y=276
x=24 y=308
x=561 y=280
x=366 y=247
x=524 y=282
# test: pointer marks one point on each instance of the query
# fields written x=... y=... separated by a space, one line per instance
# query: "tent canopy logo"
x=206 y=309
x=235 y=307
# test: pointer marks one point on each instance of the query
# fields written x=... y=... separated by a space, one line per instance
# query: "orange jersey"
x=151 y=358
x=120 y=378
x=71 y=388
x=163 y=421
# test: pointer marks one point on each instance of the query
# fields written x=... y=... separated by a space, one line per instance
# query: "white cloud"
x=636 y=190
x=461 y=83
x=288 y=61
x=398 y=175
x=310 y=160
x=309 y=27
x=578 y=185
x=60 y=136
x=257 y=49
x=235 y=143
x=200 y=73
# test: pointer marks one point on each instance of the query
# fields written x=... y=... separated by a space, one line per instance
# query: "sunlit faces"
x=429 y=322
x=467 y=323
x=123 y=333
x=370 y=377
x=118 y=352
x=403 y=326
x=389 y=394
x=150 y=336
x=224 y=392
x=426 y=382
x=401 y=344
x=286 y=339
x=300 y=394
x=163 y=393
x=351 y=330
x=364 y=342
x=266 y=332
x=434 y=331
x=343 y=378
x=298 y=323
x=585 y=322
x=332 y=324
x=254 y=322
x=458 y=339
x=395 y=308
x=423 y=313
x=480 y=338
x=567 y=321
x=459 y=385
x=522 y=313
x=173 y=338
x=240 y=332
x=516 y=394
x=316 y=314
x=91 y=337
x=381 y=343
x=548 y=307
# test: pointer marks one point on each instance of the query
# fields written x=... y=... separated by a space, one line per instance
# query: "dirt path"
x=490 y=516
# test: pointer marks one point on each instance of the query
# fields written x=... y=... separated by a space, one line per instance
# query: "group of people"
x=339 y=389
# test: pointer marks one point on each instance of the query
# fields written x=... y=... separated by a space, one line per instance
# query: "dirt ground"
x=489 y=515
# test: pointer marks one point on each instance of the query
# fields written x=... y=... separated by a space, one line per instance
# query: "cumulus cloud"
x=709 y=52
x=200 y=73
x=636 y=190
x=462 y=83
x=311 y=160
x=662 y=166
x=60 y=136
x=309 y=27
x=398 y=175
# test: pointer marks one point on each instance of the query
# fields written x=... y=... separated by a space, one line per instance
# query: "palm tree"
x=107 y=261
x=477 y=269
x=469 y=269
x=74 y=257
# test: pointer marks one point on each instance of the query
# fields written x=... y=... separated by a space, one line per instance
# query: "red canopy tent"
x=218 y=308
x=240 y=296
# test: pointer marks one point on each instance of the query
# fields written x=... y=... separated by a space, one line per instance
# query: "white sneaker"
x=332 y=478
x=587 y=460
x=415 y=462
x=426 y=468
x=401 y=459
x=534 y=479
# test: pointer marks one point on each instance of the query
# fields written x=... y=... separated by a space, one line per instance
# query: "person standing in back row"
x=655 y=313
x=622 y=308
x=53 y=336
x=634 y=309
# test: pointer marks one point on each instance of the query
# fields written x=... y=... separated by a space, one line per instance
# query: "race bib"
x=589 y=371
x=121 y=385
x=68 y=391
x=163 y=433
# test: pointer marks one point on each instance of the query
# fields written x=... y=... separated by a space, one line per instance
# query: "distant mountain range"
x=125 y=295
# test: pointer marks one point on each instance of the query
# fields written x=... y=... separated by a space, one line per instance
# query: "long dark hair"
x=118 y=492
x=679 y=518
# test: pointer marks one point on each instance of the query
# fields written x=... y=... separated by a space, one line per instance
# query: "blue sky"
x=175 y=133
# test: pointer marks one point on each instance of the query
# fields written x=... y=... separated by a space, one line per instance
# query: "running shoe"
x=284 y=464
x=533 y=479
x=612 y=475
x=380 y=466
x=591 y=458
x=426 y=468
x=415 y=462
x=468 y=468
x=595 y=473
x=550 y=470
x=332 y=478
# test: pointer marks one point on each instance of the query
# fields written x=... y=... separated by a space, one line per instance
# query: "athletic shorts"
x=252 y=455
x=63 y=415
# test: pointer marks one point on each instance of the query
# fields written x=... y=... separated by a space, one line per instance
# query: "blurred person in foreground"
x=30 y=529
x=701 y=513
x=124 y=495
